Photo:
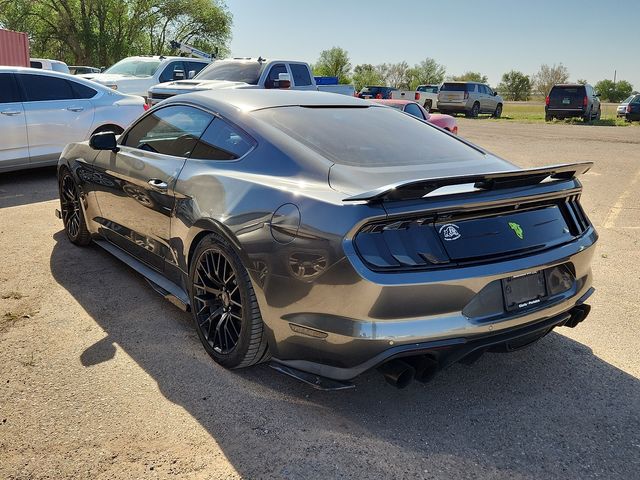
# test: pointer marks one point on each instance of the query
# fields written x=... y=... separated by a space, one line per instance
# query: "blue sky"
x=592 y=38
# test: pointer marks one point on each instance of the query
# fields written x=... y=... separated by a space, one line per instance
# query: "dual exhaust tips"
x=402 y=372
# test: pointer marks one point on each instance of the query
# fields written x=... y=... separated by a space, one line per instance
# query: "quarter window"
x=39 y=88
x=8 y=92
x=413 y=109
x=173 y=130
x=301 y=77
x=82 y=91
x=221 y=141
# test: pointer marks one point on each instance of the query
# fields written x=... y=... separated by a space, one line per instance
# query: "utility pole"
x=614 y=78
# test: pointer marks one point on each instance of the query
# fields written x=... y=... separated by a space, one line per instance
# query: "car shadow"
x=551 y=410
x=28 y=186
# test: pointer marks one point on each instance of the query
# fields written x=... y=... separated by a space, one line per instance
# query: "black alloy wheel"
x=475 y=110
x=217 y=301
x=71 y=211
x=498 y=112
x=224 y=307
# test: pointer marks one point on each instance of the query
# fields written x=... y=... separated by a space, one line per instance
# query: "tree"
x=366 y=74
x=614 y=92
x=548 y=76
x=515 y=86
x=101 y=32
x=470 y=77
x=397 y=75
x=582 y=81
x=427 y=71
x=333 y=63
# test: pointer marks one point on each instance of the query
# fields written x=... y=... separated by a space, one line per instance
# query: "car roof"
x=572 y=85
x=54 y=73
x=248 y=100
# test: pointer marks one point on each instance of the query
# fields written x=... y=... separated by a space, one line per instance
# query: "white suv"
x=136 y=75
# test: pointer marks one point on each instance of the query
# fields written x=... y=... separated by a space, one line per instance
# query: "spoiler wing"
x=415 y=189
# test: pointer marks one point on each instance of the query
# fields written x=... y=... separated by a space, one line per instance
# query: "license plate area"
x=566 y=101
x=524 y=291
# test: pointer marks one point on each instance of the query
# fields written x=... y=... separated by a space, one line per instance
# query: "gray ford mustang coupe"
x=329 y=235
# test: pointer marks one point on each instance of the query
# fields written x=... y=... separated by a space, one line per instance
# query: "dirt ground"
x=101 y=378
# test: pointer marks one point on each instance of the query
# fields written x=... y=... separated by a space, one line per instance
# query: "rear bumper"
x=457 y=107
x=564 y=112
x=461 y=349
x=388 y=315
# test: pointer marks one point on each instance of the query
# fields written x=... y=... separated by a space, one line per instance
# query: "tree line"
x=515 y=85
x=101 y=32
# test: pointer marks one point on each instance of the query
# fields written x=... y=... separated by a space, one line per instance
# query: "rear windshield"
x=428 y=88
x=367 y=136
x=629 y=99
x=233 y=71
x=135 y=67
x=457 y=87
x=572 y=92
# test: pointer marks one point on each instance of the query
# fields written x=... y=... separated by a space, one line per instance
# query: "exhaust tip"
x=425 y=366
x=578 y=314
x=397 y=373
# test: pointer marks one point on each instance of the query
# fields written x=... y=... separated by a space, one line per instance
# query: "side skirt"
x=160 y=284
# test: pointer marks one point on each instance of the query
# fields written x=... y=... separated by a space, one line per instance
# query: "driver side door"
x=135 y=194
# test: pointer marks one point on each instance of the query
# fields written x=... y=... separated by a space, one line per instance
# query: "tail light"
x=628 y=108
x=466 y=95
x=146 y=107
x=585 y=101
x=546 y=101
x=455 y=130
x=378 y=95
x=417 y=97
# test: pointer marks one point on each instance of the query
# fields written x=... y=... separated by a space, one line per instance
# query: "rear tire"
x=427 y=105
x=498 y=112
x=224 y=306
x=587 y=118
x=548 y=118
x=475 y=110
x=75 y=225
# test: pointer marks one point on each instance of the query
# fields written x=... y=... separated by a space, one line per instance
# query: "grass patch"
x=532 y=112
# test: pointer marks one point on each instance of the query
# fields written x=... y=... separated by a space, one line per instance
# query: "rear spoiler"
x=416 y=189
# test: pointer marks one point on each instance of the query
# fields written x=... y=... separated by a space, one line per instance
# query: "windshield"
x=135 y=67
x=368 y=136
x=233 y=71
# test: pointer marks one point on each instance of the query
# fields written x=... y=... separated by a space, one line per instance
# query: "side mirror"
x=597 y=94
x=104 y=141
x=283 y=82
x=178 y=74
x=495 y=94
x=192 y=73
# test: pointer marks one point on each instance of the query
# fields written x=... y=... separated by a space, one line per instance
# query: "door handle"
x=11 y=113
x=158 y=184
x=75 y=109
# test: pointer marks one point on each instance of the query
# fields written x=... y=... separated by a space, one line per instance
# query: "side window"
x=194 y=67
x=173 y=130
x=40 y=88
x=82 y=91
x=35 y=64
x=221 y=141
x=274 y=74
x=170 y=70
x=413 y=109
x=8 y=90
x=482 y=89
x=471 y=87
x=301 y=77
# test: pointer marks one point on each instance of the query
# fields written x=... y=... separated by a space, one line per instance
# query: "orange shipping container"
x=14 y=48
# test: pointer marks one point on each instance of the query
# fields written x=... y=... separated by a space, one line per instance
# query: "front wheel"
x=599 y=114
x=224 y=306
x=71 y=210
x=498 y=112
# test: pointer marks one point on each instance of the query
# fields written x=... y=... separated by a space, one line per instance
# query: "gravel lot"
x=101 y=378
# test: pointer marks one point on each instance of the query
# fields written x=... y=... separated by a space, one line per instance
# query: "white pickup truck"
x=425 y=95
x=246 y=73
x=135 y=75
